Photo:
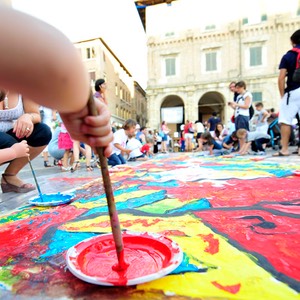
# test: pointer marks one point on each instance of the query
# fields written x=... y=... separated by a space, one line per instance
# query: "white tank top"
x=9 y=116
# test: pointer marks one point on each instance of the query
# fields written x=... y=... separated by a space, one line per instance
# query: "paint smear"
x=149 y=256
x=52 y=199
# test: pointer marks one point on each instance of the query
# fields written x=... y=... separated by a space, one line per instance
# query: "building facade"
x=190 y=70
x=126 y=99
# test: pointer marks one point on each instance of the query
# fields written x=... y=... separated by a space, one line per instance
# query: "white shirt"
x=199 y=127
x=241 y=100
x=135 y=145
x=120 y=137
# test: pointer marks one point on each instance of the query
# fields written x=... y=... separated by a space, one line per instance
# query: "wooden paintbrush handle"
x=113 y=215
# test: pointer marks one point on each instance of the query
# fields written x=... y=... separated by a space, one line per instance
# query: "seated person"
x=207 y=139
x=15 y=151
x=20 y=120
x=220 y=133
x=255 y=139
x=230 y=142
x=135 y=146
x=119 y=143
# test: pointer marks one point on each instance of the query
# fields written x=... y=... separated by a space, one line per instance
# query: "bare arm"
x=281 y=81
x=40 y=63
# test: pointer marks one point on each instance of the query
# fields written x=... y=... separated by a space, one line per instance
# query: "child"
x=261 y=118
x=119 y=143
x=135 y=146
x=146 y=149
x=65 y=142
x=15 y=151
x=182 y=142
x=255 y=139
x=207 y=139
x=230 y=142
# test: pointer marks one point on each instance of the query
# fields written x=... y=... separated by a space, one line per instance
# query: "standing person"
x=164 y=128
x=48 y=115
x=290 y=94
x=241 y=108
x=199 y=130
x=119 y=143
x=261 y=116
x=212 y=122
x=188 y=135
x=65 y=143
x=232 y=88
x=100 y=88
x=76 y=153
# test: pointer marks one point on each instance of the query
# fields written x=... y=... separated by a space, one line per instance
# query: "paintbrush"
x=113 y=214
x=36 y=182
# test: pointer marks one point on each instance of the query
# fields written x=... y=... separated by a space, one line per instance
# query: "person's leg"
x=114 y=160
x=88 y=157
x=76 y=150
x=37 y=142
x=285 y=131
x=122 y=159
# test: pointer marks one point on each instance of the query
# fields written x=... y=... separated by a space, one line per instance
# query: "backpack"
x=296 y=75
x=251 y=111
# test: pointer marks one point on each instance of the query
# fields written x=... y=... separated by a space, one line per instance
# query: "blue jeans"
x=257 y=145
x=115 y=160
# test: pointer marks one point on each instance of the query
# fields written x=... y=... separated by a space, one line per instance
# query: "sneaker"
x=261 y=153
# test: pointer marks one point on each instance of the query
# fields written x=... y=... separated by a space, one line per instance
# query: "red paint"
x=121 y=265
x=213 y=244
x=278 y=244
x=145 y=254
x=232 y=289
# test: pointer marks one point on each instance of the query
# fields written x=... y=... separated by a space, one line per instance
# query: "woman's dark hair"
x=241 y=84
x=217 y=132
x=98 y=83
x=207 y=136
x=295 y=37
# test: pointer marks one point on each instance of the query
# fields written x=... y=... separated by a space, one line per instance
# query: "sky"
x=117 y=22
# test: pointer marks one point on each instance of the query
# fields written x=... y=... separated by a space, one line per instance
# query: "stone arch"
x=172 y=109
x=211 y=102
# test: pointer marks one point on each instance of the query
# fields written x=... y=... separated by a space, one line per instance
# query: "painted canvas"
x=236 y=220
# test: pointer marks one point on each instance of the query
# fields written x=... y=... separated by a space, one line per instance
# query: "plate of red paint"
x=149 y=256
x=296 y=172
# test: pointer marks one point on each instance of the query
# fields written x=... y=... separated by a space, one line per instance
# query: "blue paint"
x=170 y=183
x=52 y=199
x=63 y=240
x=185 y=266
x=131 y=203
x=200 y=204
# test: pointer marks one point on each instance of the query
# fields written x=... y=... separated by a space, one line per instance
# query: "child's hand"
x=92 y=130
x=21 y=149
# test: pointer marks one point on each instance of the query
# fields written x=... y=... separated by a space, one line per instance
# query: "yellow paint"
x=233 y=267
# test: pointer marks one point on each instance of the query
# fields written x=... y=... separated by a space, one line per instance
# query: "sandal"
x=75 y=166
x=8 y=187
x=89 y=168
